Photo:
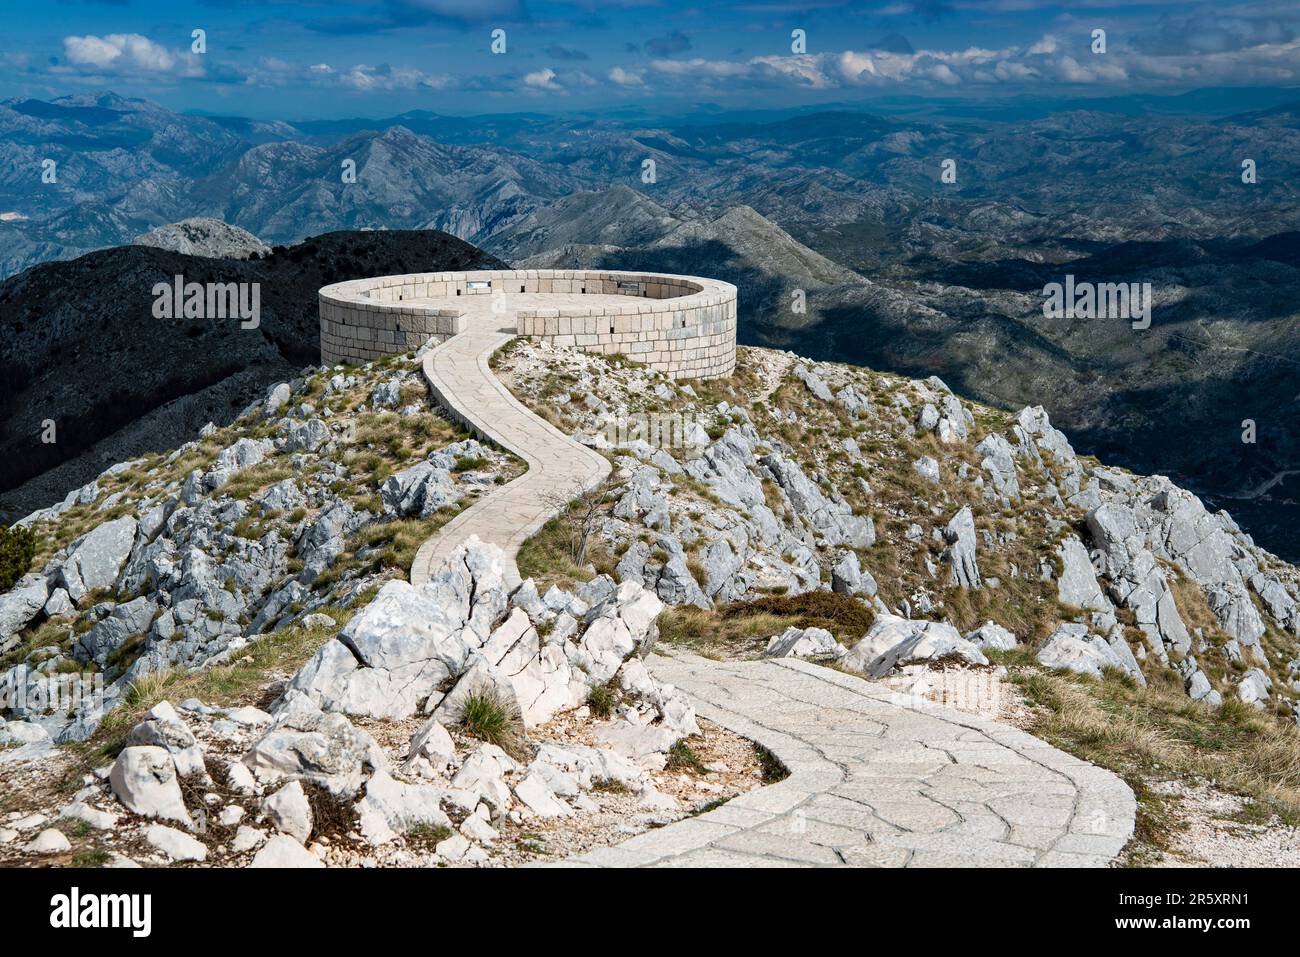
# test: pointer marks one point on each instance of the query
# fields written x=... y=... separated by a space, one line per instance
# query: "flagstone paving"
x=874 y=781
x=558 y=467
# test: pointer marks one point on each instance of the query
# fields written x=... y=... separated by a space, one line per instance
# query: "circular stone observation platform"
x=684 y=326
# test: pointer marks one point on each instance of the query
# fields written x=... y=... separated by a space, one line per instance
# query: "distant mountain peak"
x=105 y=99
x=204 y=236
x=745 y=228
x=893 y=43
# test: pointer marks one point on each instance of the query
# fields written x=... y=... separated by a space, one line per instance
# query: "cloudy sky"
x=330 y=58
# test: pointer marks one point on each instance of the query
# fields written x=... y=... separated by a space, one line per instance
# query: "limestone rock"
x=992 y=635
x=49 y=841
x=1198 y=686
x=306 y=744
x=59 y=603
x=590 y=765
x=242 y=454
x=483 y=774
x=543 y=680
x=534 y=793
x=1073 y=648
x=815 y=385
x=95 y=559
x=1077 y=586
x=1236 y=613
x=21 y=604
x=283 y=496
x=893 y=641
x=386 y=395
x=832 y=519
x=815 y=643
x=276 y=398
x=283 y=851
x=174 y=844
x=928 y=468
x=431 y=749
x=1254 y=688
x=144 y=779
x=849 y=578
x=481 y=678
x=395 y=652
x=1000 y=464
x=125 y=621
x=390 y=808
x=322 y=541
x=646 y=744
x=307 y=436
x=163 y=728
x=960 y=553
x=99 y=820
x=290 y=812
x=419 y=490
x=246 y=838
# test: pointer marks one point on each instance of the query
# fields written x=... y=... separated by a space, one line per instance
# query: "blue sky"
x=331 y=58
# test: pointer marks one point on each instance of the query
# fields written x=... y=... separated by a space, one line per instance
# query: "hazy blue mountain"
x=900 y=269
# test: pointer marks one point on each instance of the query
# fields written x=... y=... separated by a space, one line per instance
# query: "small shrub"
x=17 y=549
x=682 y=758
x=93 y=857
x=468 y=463
x=602 y=700
x=427 y=836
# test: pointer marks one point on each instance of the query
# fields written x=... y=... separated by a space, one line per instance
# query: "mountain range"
x=841 y=211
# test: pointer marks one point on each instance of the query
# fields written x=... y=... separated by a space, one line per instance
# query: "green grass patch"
x=682 y=758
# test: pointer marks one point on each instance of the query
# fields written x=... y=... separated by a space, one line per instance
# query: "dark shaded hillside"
x=79 y=344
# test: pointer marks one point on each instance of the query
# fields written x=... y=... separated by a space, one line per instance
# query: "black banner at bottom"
x=164 y=907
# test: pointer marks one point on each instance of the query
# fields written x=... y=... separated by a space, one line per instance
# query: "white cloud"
x=1008 y=71
x=365 y=78
x=627 y=77
x=543 y=79
x=1046 y=45
x=126 y=53
x=702 y=67
x=1050 y=59
x=942 y=73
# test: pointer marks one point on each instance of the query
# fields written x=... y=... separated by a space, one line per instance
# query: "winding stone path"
x=872 y=782
x=558 y=467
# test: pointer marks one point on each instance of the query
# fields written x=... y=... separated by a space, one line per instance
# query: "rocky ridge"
x=178 y=561
x=455 y=722
x=961 y=526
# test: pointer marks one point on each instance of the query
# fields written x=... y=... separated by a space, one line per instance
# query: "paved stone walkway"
x=558 y=467
x=874 y=783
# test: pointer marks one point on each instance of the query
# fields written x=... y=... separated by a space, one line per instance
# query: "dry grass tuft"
x=844 y=616
x=1157 y=733
x=492 y=720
